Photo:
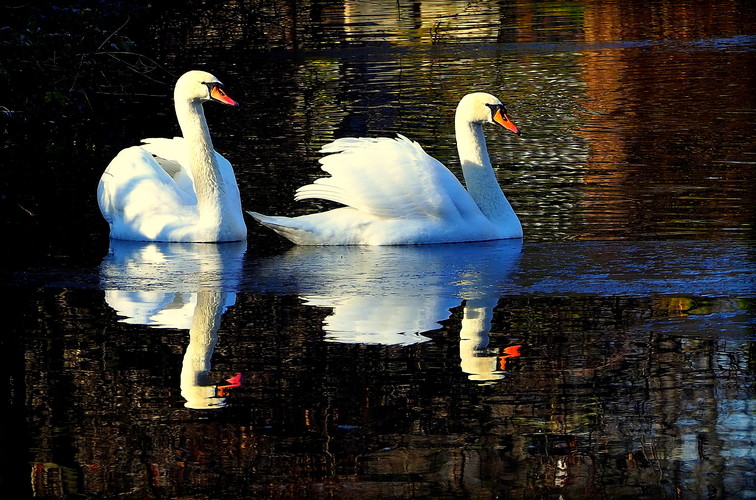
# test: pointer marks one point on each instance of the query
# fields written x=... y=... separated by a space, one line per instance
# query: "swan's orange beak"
x=503 y=120
x=220 y=96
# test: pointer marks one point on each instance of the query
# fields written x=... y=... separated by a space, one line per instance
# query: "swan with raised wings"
x=394 y=193
x=177 y=189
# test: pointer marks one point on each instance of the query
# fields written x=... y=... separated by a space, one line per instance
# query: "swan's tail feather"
x=284 y=227
x=271 y=221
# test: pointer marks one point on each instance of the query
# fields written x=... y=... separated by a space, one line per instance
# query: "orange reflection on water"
x=648 y=154
x=512 y=351
x=235 y=381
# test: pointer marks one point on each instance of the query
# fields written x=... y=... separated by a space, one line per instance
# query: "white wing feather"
x=391 y=178
x=148 y=191
x=171 y=155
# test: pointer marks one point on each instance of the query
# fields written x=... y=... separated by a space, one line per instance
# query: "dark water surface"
x=610 y=354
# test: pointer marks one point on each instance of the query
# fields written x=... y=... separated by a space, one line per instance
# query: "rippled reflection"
x=620 y=367
x=394 y=295
x=185 y=286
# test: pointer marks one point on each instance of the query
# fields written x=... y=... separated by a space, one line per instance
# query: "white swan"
x=396 y=194
x=176 y=189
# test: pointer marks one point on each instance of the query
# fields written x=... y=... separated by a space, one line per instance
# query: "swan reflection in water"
x=393 y=295
x=186 y=286
x=378 y=295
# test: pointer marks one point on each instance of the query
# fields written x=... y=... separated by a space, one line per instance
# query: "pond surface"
x=610 y=354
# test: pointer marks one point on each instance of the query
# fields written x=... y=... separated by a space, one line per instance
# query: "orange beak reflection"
x=512 y=351
x=503 y=120
x=235 y=381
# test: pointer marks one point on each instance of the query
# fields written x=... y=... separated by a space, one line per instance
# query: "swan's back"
x=147 y=193
x=139 y=199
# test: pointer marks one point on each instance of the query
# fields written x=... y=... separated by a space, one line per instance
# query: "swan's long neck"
x=207 y=181
x=480 y=178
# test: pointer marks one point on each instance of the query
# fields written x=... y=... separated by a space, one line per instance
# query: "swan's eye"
x=213 y=85
x=497 y=107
